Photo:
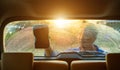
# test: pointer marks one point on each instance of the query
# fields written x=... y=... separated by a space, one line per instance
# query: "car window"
x=64 y=36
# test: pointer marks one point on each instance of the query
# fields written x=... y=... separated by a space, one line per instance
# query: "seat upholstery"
x=50 y=65
x=113 y=61
x=88 y=65
x=17 y=61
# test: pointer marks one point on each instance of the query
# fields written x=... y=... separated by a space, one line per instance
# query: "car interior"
x=59 y=34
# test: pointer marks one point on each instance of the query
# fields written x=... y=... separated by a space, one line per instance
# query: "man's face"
x=87 y=38
x=86 y=42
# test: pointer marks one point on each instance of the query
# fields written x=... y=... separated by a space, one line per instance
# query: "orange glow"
x=61 y=23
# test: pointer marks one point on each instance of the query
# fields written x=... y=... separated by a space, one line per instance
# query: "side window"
x=64 y=36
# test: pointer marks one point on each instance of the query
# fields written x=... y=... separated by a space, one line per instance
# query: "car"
x=59 y=34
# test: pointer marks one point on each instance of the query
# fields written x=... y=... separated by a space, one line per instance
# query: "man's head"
x=88 y=36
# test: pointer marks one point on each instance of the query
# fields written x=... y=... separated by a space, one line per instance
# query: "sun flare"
x=61 y=23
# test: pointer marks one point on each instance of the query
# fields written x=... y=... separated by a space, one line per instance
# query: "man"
x=87 y=36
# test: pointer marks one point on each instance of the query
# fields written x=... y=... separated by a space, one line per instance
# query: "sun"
x=61 y=23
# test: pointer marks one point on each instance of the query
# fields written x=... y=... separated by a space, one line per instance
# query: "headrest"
x=17 y=61
x=113 y=61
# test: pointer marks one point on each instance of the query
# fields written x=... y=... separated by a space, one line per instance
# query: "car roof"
x=43 y=9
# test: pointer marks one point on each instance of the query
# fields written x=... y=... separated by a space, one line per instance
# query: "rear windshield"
x=52 y=37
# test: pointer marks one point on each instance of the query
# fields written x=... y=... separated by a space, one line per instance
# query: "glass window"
x=64 y=36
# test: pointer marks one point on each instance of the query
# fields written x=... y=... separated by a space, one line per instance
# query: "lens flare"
x=61 y=23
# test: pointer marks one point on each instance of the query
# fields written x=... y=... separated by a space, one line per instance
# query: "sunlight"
x=61 y=23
